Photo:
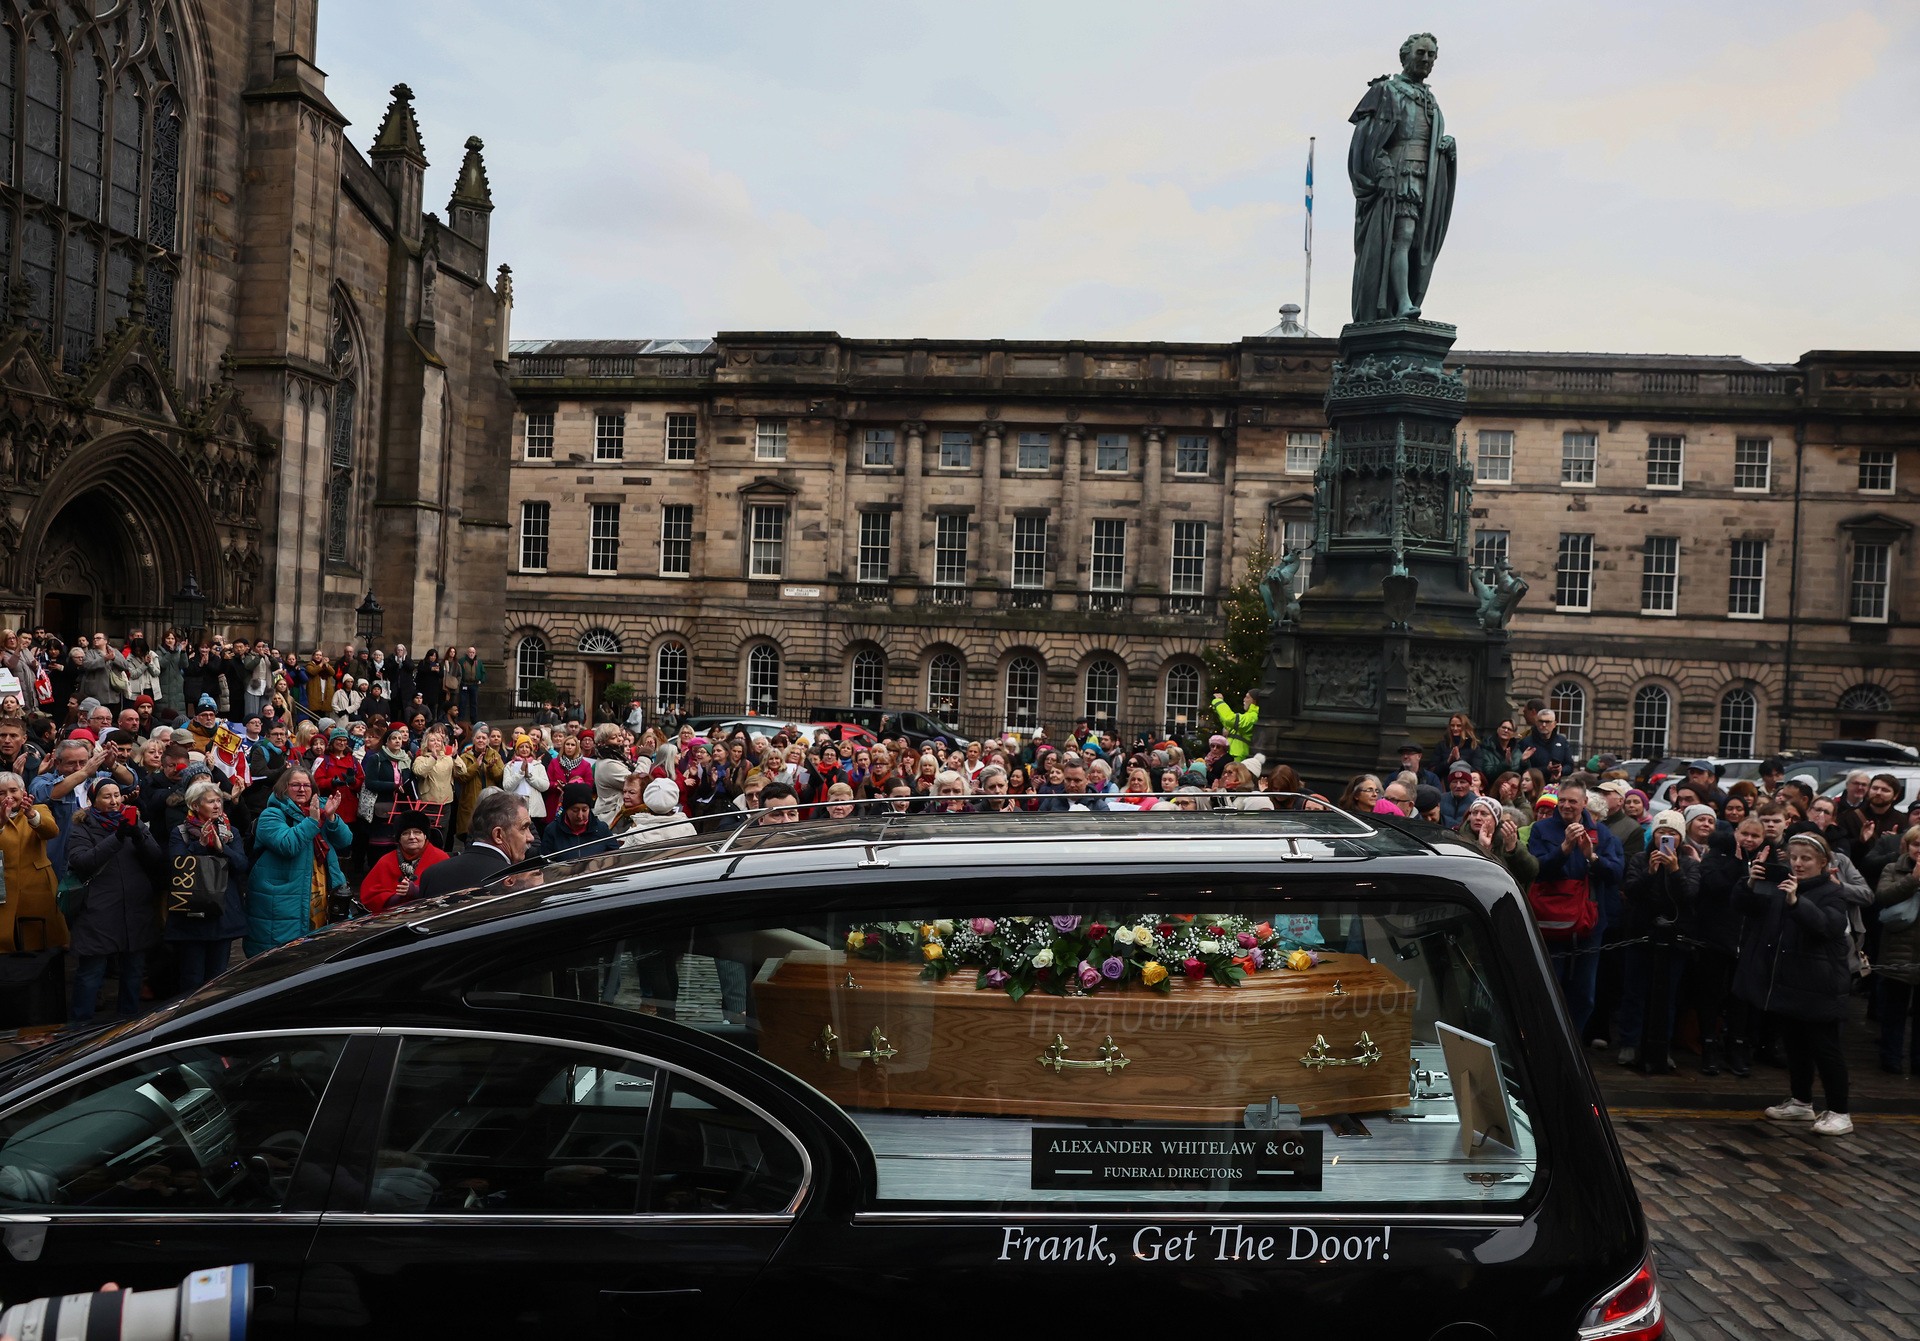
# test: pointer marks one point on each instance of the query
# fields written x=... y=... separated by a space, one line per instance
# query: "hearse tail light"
x=1630 y=1311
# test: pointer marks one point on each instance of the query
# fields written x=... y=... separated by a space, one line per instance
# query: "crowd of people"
x=1751 y=908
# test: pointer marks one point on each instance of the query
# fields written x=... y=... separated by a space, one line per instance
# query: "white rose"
x=1044 y=959
x=1209 y=947
x=944 y=926
x=1143 y=935
x=1124 y=936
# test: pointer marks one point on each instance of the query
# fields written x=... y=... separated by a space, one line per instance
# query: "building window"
x=1652 y=710
x=1569 y=703
x=539 y=437
x=950 y=549
x=536 y=529
x=1102 y=699
x=529 y=664
x=342 y=433
x=599 y=643
x=1029 y=551
x=767 y=537
x=876 y=547
x=1876 y=471
x=1746 y=578
x=763 y=678
x=1036 y=452
x=877 y=451
x=1753 y=464
x=1573 y=573
x=1739 y=719
x=956 y=451
x=1182 y=714
x=1660 y=575
x=676 y=540
x=1110 y=451
x=1867 y=592
x=603 y=539
x=770 y=440
x=869 y=679
x=1023 y=694
x=610 y=435
x=683 y=440
x=1496 y=457
x=1189 y=575
x=1579 y=453
x=1304 y=451
x=1489 y=550
x=1297 y=534
x=1664 y=453
x=672 y=685
x=943 y=685
x=1109 y=554
x=1861 y=710
x=1190 y=453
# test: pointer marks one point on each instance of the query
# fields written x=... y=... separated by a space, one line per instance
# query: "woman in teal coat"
x=294 y=833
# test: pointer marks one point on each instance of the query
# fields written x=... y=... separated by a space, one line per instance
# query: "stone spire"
x=401 y=160
x=399 y=132
x=470 y=209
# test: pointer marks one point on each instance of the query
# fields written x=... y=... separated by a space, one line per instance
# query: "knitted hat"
x=576 y=794
x=1695 y=812
x=205 y=704
x=1671 y=819
x=662 y=796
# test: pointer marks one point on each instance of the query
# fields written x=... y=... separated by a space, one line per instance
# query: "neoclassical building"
x=1025 y=533
x=234 y=346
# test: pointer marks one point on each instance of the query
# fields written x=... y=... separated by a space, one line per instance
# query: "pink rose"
x=1089 y=975
x=1194 y=968
x=1247 y=942
x=983 y=926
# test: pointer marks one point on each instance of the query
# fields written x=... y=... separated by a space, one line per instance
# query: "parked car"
x=725 y=1076
x=845 y=732
x=1908 y=774
x=1672 y=772
x=917 y=727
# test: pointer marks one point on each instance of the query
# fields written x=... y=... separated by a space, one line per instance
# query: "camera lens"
x=211 y=1305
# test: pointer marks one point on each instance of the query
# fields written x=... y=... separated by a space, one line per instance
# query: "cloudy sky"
x=1728 y=178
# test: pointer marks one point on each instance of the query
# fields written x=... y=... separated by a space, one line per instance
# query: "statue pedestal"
x=1393 y=635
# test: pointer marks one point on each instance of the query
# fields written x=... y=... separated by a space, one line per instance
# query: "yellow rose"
x=856 y=940
x=1299 y=959
x=1153 y=972
x=928 y=931
x=933 y=950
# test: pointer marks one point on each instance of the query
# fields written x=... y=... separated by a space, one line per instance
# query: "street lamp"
x=190 y=609
x=371 y=618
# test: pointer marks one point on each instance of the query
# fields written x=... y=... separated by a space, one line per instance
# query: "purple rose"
x=1089 y=975
x=1247 y=942
x=1258 y=956
x=1114 y=966
x=983 y=926
x=1066 y=924
x=996 y=977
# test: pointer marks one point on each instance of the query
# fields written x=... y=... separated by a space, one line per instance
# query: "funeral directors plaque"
x=1166 y=1159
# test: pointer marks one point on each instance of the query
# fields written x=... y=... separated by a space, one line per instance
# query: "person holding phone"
x=1715 y=925
x=1661 y=884
x=1798 y=975
x=296 y=845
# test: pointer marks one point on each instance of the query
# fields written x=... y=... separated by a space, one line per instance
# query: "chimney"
x=471 y=207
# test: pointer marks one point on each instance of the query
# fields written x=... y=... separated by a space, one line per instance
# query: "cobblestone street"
x=1764 y=1230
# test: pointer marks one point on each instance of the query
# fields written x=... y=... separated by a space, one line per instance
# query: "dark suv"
x=903 y=1071
x=888 y=723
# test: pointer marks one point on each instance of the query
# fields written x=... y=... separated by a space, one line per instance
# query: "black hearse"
x=563 y=1105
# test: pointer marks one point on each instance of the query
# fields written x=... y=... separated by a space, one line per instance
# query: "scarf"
x=567 y=824
x=215 y=834
x=110 y=819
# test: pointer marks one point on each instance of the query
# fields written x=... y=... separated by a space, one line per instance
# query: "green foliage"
x=542 y=690
x=1236 y=663
x=620 y=693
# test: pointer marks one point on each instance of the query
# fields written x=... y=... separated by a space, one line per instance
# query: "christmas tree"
x=1236 y=662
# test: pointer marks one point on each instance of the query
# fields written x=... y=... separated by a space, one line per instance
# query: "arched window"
x=1861 y=709
x=529 y=664
x=1182 y=716
x=1569 y=703
x=1023 y=694
x=1739 y=716
x=97 y=142
x=1102 y=699
x=671 y=684
x=763 y=678
x=943 y=685
x=600 y=643
x=869 y=678
x=343 y=433
x=1652 y=713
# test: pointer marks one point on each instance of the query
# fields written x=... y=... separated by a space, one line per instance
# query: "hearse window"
x=217 y=1127
x=1218 y=1047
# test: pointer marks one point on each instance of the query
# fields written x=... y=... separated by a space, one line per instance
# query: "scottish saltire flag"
x=1309 y=238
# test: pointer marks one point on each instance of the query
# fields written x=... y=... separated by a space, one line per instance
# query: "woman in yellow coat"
x=31 y=880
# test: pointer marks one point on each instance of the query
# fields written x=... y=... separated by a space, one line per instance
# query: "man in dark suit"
x=501 y=831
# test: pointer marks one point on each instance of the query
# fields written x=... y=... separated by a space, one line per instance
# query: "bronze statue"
x=1497 y=602
x=1276 y=589
x=1402 y=166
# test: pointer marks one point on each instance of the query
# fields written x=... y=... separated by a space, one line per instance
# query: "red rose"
x=1215 y=932
x=873 y=938
x=1194 y=968
x=1041 y=975
x=1097 y=930
x=1164 y=928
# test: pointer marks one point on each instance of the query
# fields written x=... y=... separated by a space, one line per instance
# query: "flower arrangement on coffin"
x=1070 y=955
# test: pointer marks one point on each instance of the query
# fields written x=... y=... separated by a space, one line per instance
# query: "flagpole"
x=1306 y=313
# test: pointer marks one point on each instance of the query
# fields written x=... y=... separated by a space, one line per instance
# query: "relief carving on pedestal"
x=1439 y=682
x=1342 y=677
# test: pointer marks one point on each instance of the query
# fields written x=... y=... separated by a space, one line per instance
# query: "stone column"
x=986 y=556
x=913 y=501
x=1225 y=572
x=1066 y=575
x=1151 y=574
x=837 y=504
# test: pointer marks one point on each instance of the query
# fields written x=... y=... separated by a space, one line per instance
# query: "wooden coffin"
x=1332 y=1039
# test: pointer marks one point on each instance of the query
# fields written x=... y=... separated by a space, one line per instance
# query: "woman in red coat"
x=396 y=876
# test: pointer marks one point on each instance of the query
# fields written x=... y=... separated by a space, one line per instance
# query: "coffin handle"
x=877 y=1050
x=1111 y=1058
x=1321 y=1054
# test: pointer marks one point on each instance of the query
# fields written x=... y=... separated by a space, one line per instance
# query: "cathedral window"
x=341 y=429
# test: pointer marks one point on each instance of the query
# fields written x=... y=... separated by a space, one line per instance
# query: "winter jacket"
x=280 y=886
x=1492 y=760
x=610 y=780
x=1604 y=872
x=1521 y=864
x=382 y=884
x=173 y=669
x=1648 y=896
x=472 y=774
x=1717 y=913
x=31 y=880
x=96 y=672
x=1546 y=750
x=527 y=779
x=562 y=770
x=1899 y=950
x=185 y=841
x=1237 y=727
x=143 y=674
x=1455 y=749
x=646 y=828
x=342 y=775
x=434 y=777
x=119 y=908
x=559 y=841
x=1794 y=960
